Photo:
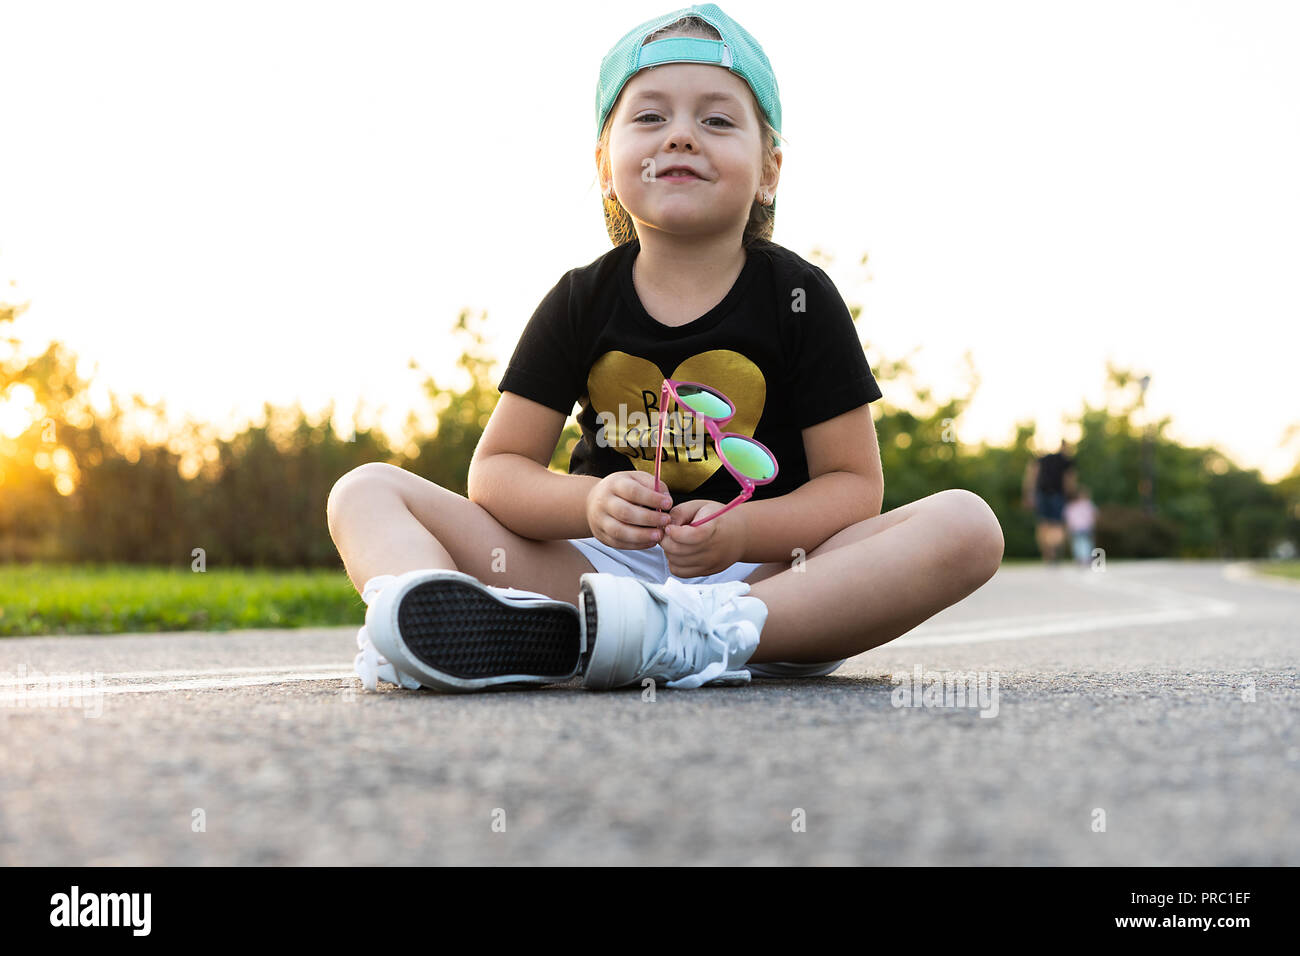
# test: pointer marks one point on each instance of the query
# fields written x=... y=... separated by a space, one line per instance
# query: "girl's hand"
x=621 y=510
x=711 y=548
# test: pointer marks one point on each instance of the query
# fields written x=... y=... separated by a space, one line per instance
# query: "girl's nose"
x=680 y=136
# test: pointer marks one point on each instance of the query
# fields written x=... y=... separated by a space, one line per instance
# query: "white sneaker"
x=372 y=667
x=446 y=630
x=369 y=664
x=686 y=634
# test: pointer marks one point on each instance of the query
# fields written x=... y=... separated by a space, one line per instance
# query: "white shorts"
x=651 y=564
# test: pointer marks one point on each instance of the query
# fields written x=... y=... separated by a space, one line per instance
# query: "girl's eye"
x=657 y=116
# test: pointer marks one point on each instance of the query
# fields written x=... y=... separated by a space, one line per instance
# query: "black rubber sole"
x=587 y=604
x=464 y=632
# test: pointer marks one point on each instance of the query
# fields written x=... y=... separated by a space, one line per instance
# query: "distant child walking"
x=721 y=515
x=1080 y=519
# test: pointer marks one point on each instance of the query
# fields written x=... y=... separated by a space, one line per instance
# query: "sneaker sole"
x=448 y=631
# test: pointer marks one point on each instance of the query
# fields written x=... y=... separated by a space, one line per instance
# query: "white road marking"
x=159 y=675
x=89 y=689
x=1034 y=627
x=990 y=623
x=1171 y=607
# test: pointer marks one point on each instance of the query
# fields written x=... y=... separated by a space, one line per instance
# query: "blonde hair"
x=762 y=218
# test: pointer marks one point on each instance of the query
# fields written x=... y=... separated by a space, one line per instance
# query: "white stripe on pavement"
x=1171 y=607
x=90 y=688
x=1078 y=625
x=146 y=675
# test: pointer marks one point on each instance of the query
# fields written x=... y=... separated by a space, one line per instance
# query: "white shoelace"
x=369 y=664
x=703 y=631
x=372 y=667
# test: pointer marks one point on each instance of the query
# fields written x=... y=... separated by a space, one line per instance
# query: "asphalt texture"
x=1144 y=714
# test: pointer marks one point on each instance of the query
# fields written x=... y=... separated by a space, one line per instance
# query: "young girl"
x=1080 y=518
x=538 y=577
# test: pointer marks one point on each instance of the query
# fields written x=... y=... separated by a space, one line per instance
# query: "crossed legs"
x=863 y=586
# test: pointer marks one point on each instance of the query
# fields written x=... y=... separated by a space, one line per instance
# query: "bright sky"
x=228 y=203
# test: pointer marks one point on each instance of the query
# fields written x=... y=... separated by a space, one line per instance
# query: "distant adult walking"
x=1047 y=482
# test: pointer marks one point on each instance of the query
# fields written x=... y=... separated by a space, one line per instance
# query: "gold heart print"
x=624 y=393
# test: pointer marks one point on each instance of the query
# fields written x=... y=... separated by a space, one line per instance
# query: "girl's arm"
x=529 y=498
x=509 y=477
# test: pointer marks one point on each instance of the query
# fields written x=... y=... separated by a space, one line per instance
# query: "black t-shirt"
x=781 y=345
x=1051 y=472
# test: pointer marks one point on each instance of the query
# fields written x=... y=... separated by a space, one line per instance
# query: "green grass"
x=114 y=599
x=1282 y=569
x=38 y=599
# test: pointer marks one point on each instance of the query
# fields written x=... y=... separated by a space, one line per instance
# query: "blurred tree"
x=81 y=483
x=34 y=463
x=444 y=456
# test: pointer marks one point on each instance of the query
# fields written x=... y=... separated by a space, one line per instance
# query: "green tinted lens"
x=703 y=402
x=748 y=458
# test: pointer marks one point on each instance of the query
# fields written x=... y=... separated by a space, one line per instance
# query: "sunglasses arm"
x=659 y=445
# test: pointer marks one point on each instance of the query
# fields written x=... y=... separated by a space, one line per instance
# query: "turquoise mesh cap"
x=737 y=51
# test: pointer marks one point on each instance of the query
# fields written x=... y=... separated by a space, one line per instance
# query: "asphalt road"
x=1146 y=714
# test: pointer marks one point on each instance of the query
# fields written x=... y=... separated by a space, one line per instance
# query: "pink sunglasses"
x=750 y=461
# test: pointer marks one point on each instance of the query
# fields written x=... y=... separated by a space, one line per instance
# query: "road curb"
x=1246 y=571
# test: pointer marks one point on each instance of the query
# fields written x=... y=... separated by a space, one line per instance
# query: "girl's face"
x=695 y=115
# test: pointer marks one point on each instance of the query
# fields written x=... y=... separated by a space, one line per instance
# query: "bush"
x=1126 y=532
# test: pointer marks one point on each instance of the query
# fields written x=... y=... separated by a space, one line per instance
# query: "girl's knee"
x=976 y=533
x=362 y=481
x=370 y=472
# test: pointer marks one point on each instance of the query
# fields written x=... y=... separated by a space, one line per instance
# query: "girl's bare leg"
x=877 y=579
x=386 y=520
